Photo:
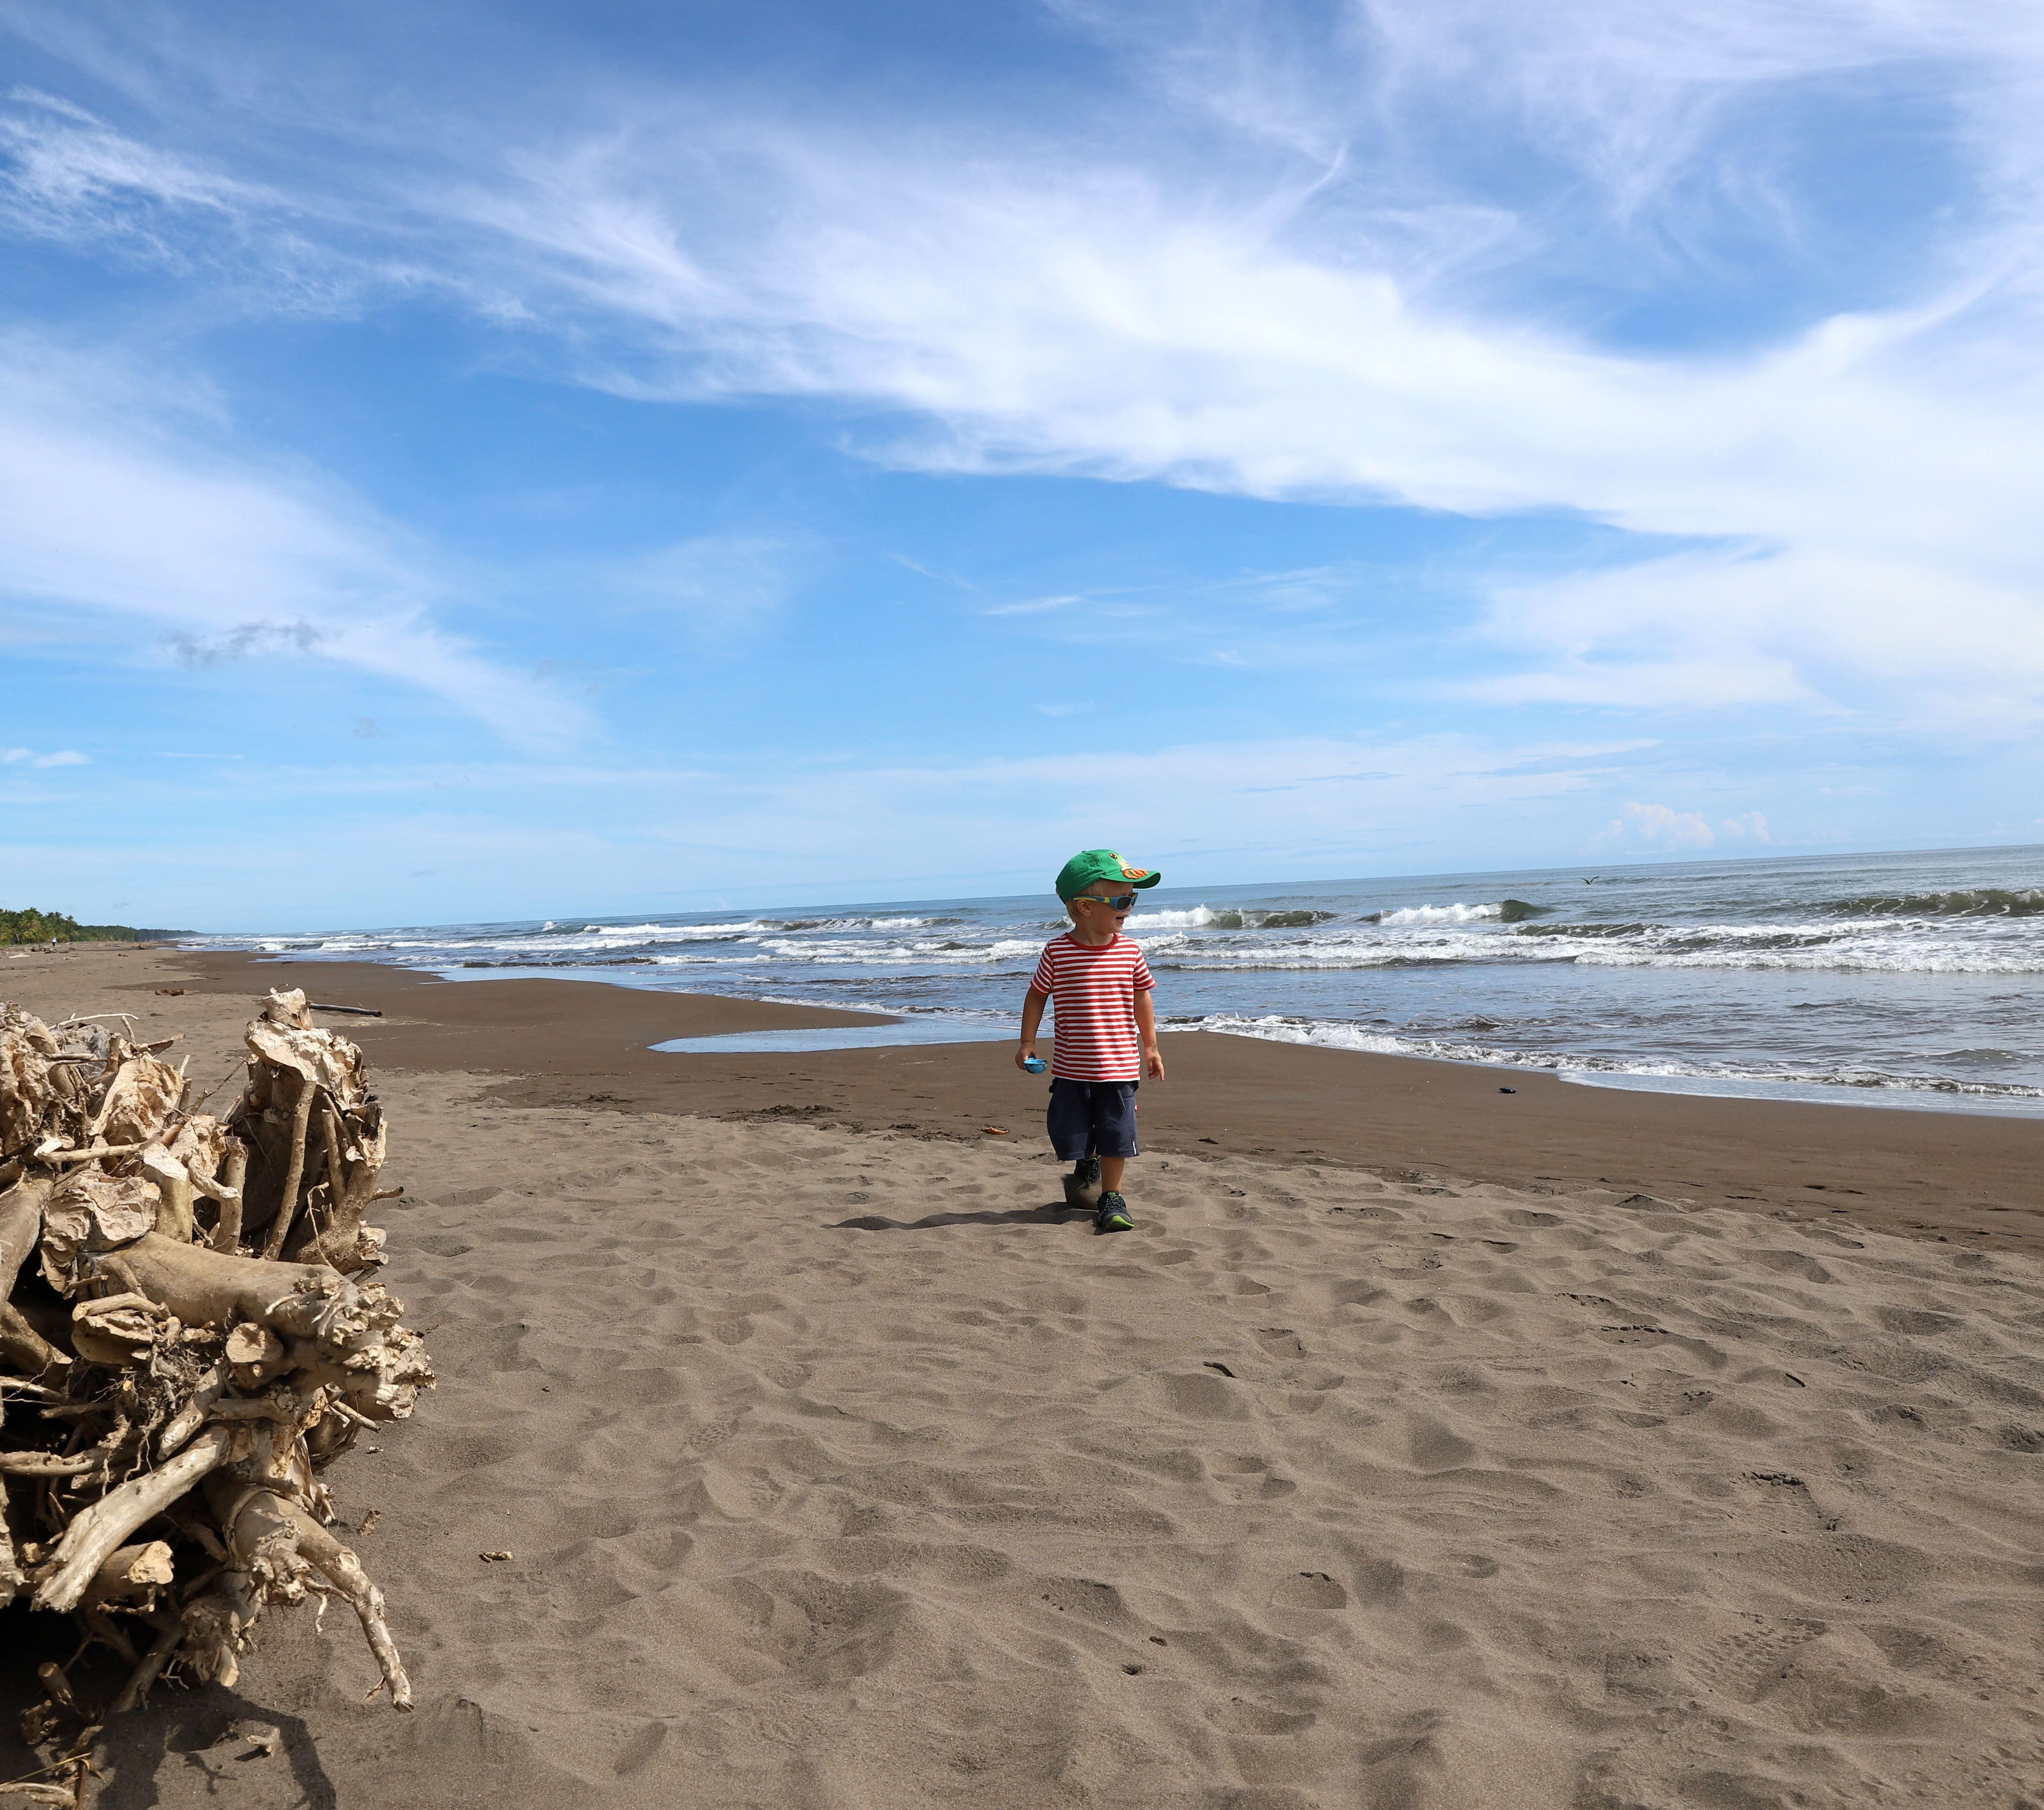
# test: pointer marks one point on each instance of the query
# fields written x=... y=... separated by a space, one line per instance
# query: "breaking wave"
x=1504 y=911
x=1205 y=917
x=1963 y=902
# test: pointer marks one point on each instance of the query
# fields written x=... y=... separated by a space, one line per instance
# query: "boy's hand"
x=1026 y=1054
x=1153 y=1063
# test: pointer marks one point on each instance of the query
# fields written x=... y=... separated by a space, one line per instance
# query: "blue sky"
x=485 y=461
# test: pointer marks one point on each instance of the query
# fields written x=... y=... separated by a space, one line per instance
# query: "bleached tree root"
x=23 y=1350
x=12 y=1577
x=21 y=1224
x=166 y=1412
x=133 y=1572
x=294 y=1171
x=269 y=1530
x=101 y=1530
x=234 y=1175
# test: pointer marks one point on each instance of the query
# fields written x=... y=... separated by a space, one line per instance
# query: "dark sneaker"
x=1113 y=1215
x=1085 y=1172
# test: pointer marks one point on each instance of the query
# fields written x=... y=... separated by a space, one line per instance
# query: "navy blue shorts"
x=1093 y=1118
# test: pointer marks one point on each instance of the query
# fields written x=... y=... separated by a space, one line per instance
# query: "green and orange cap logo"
x=1081 y=870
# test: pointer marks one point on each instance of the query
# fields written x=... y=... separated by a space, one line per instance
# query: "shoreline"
x=1924 y=1172
x=1710 y=1084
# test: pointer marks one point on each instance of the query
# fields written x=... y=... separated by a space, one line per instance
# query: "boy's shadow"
x=131 y=1752
x=195 y=1728
x=1051 y=1212
x=198 y=1727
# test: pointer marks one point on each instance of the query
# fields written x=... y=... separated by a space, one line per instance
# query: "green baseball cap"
x=1081 y=870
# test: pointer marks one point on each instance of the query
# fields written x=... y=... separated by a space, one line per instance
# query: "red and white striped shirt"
x=1094 y=988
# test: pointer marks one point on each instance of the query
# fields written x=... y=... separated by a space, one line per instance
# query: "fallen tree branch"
x=180 y=1428
x=45 y=1464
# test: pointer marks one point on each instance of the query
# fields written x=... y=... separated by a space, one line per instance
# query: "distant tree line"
x=30 y=925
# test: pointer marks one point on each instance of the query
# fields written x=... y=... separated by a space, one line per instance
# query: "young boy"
x=1106 y=1028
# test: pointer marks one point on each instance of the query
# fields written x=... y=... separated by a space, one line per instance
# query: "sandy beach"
x=1425 y=1445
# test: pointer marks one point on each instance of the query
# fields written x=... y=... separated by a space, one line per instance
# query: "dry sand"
x=841 y=1469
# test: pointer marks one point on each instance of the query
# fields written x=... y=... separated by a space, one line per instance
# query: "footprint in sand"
x=1238 y=1717
x=1309 y=1590
x=1469 y=1564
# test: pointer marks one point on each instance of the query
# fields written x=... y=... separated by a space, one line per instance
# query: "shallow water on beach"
x=1903 y=979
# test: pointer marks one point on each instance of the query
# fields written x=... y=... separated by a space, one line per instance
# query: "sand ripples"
x=842 y=1469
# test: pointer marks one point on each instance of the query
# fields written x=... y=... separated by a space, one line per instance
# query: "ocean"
x=1900 y=979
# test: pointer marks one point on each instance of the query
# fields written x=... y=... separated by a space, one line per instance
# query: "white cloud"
x=1664 y=826
x=69 y=174
x=1635 y=102
x=22 y=756
x=263 y=246
x=109 y=504
x=1932 y=645
x=1036 y=605
x=1311 y=320
x=1869 y=481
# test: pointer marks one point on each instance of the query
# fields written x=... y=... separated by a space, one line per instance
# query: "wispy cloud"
x=1039 y=313
x=1358 y=253
x=111 y=503
x=68 y=174
x=28 y=757
x=1036 y=605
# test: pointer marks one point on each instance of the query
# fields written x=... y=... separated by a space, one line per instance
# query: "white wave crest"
x=674 y=933
x=848 y=952
x=1837 y=960
x=1415 y=915
x=1198 y=918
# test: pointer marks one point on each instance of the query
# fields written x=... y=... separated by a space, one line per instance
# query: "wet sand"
x=1418 y=1449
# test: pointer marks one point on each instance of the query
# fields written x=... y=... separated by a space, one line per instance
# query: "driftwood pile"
x=200 y=1336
